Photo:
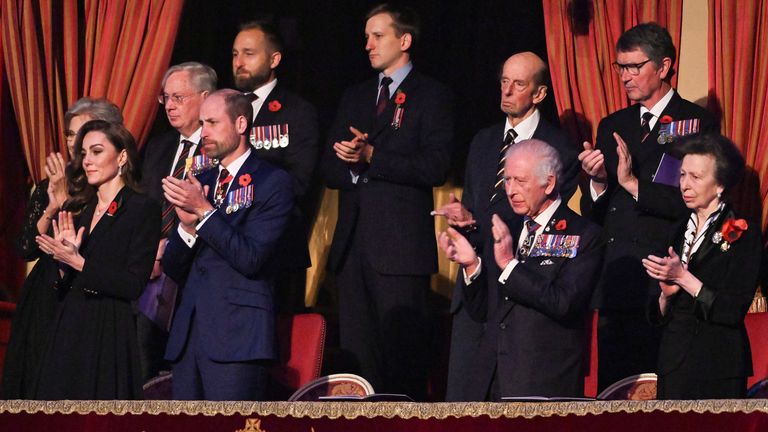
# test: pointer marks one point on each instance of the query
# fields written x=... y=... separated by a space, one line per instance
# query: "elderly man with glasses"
x=633 y=195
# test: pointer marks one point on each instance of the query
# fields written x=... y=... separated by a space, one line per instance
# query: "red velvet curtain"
x=581 y=39
x=58 y=51
x=738 y=86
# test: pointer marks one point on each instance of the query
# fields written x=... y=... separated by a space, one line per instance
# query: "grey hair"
x=96 y=109
x=548 y=163
x=202 y=76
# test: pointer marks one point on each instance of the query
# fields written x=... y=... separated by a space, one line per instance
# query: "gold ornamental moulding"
x=405 y=410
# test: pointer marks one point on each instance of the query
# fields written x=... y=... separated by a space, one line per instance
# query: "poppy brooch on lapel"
x=244 y=180
x=731 y=231
x=397 y=118
x=275 y=106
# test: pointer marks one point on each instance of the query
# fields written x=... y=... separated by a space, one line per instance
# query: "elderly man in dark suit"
x=532 y=285
x=390 y=145
x=284 y=133
x=523 y=87
x=230 y=221
x=184 y=87
x=637 y=210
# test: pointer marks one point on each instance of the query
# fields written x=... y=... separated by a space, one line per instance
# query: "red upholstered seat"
x=6 y=314
x=301 y=341
x=757 y=329
x=590 y=377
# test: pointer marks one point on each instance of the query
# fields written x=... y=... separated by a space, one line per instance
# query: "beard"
x=252 y=81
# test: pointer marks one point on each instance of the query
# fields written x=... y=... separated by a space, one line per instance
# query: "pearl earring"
x=119 y=170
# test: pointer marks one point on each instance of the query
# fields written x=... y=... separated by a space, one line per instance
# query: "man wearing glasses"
x=184 y=87
x=636 y=208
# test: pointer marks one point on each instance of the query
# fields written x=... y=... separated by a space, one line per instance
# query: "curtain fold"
x=581 y=39
x=59 y=51
x=738 y=91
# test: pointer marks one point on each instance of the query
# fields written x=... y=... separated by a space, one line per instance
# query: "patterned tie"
x=381 y=104
x=221 y=187
x=527 y=245
x=509 y=139
x=169 y=216
x=645 y=125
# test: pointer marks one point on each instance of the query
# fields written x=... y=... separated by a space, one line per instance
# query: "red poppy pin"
x=400 y=97
x=244 y=180
x=112 y=208
x=665 y=119
x=275 y=106
x=561 y=225
x=731 y=231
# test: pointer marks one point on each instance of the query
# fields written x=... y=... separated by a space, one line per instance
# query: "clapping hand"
x=455 y=213
x=503 y=251
x=624 y=174
x=457 y=248
x=65 y=243
x=668 y=269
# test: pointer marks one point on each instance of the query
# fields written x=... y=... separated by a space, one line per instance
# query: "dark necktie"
x=645 y=125
x=169 y=215
x=251 y=97
x=381 y=104
x=221 y=187
x=527 y=245
x=498 y=187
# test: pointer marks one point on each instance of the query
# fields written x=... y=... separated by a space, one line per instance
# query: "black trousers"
x=384 y=326
x=627 y=345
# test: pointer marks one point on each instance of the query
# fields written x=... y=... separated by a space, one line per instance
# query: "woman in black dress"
x=105 y=261
x=37 y=304
x=707 y=281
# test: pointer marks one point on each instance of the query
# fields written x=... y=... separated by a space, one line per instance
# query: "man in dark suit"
x=532 y=285
x=184 y=87
x=230 y=221
x=637 y=211
x=391 y=144
x=284 y=133
x=523 y=88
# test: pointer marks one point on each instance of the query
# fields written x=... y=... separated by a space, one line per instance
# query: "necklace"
x=99 y=211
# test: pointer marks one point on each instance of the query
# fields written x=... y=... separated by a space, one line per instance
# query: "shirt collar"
x=525 y=128
x=543 y=218
x=657 y=109
x=262 y=93
x=194 y=138
x=397 y=76
x=235 y=166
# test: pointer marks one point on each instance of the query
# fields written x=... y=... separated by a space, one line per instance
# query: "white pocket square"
x=546 y=262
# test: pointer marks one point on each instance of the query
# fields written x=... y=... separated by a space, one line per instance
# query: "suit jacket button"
x=502 y=326
x=506 y=298
x=610 y=240
x=365 y=179
x=612 y=209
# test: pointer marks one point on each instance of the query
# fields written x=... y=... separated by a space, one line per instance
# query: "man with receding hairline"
x=523 y=88
x=231 y=218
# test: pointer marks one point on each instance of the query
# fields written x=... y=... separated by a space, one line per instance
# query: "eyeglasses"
x=176 y=98
x=632 y=68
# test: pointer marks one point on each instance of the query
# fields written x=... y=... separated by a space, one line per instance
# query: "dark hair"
x=729 y=163
x=77 y=183
x=237 y=104
x=404 y=20
x=653 y=39
x=271 y=33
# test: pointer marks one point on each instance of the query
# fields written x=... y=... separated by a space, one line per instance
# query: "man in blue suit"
x=230 y=221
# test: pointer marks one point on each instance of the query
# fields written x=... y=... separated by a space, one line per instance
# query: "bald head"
x=523 y=85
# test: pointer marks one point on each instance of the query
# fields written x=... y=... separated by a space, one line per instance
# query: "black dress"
x=93 y=351
x=35 y=310
x=704 y=351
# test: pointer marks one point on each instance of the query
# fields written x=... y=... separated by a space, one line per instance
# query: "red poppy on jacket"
x=112 y=208
x=561 y=225
x=665 y=119
x=275 y=106
x=244 y=180
x=732 y=229
x=400 y=98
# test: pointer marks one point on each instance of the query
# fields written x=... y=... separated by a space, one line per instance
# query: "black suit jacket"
x=635 y=229
x=298 y=158
x=157 y=162
x=391 y=202
x=705 y=336
x=480 y=176
x=535 y=321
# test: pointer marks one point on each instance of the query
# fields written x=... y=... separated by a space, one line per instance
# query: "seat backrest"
x=6 y=315
x=337 y=385
x=757 y=330
x=635 y=387
x=301 y=342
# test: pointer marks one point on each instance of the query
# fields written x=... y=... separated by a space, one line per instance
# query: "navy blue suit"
x=227 y=302
x=383 y=248
x=479 y=179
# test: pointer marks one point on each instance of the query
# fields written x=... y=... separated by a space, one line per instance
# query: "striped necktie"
x=221 y=187
x=509 y=139
x=645 y=125
x=169 y=215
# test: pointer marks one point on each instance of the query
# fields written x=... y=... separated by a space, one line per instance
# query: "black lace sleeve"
x=37 y=203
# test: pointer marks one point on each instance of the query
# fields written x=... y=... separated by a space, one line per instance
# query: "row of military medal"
x=269 y=137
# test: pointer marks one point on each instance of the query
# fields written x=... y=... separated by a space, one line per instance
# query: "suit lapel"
x=107 y=219
x=707 y=245
x=382 y=122
x=265 y=115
